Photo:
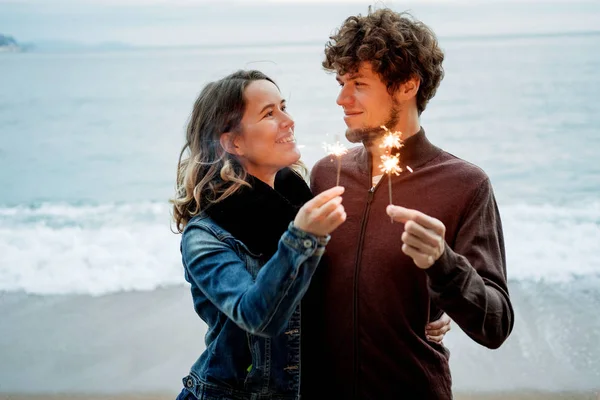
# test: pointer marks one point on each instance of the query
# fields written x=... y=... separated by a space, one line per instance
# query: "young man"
x=382 y=282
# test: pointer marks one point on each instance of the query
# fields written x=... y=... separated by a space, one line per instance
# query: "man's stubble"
x=369 y=134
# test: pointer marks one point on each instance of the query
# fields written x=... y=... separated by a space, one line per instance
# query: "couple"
x=373 y=305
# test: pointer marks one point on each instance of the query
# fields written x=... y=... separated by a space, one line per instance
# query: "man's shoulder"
x=461 y=169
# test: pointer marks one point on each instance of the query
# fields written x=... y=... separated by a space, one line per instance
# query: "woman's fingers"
x=328 y=207
x=436 y=330
x=323 y=197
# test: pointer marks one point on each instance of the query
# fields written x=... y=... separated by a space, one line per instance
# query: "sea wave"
x=98 y=249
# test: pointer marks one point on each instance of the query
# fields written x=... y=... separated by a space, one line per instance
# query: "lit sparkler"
x=390 y=164
x=337 y=150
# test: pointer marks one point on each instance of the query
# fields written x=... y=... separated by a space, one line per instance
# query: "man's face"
x=367 y=104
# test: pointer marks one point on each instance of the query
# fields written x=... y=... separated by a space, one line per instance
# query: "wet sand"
x=458 y=396
x=119 y=345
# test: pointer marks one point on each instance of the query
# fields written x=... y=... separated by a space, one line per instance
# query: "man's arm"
x=469 y=281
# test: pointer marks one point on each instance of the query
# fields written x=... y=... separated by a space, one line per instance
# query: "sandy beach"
x=458 y=396
x=138 y=345
x=117 y=343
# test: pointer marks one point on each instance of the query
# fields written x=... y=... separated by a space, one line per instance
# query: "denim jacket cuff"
x=304 y=241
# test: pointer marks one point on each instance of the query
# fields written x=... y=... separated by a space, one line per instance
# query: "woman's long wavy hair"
x=206 y=173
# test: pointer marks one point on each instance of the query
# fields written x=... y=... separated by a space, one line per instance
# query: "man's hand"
x=423 y=235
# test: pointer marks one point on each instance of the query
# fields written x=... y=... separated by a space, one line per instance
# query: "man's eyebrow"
x=350 y=76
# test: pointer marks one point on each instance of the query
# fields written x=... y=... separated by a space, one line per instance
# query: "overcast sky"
x=201 y=22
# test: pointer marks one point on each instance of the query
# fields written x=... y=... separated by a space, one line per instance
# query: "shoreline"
x=508 y=395
x=139 y=345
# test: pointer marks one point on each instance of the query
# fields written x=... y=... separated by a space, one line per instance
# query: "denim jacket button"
x=307 y=243
x=189 y=383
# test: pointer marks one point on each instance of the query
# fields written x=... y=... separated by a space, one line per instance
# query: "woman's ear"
x=228 y=142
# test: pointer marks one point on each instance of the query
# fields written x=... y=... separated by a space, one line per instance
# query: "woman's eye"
x=269 y=114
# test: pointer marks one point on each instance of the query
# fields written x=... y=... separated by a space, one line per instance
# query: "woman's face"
x=267 y=142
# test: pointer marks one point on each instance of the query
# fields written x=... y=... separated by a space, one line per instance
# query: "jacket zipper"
x=355 y=294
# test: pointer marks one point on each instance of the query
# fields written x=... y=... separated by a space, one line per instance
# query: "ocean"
x=89 y=140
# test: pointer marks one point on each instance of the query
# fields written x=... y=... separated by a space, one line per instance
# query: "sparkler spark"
x=391 y=140
x=390 y=164
x=337 y=150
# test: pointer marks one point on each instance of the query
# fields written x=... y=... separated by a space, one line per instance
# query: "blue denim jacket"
x=252 y=309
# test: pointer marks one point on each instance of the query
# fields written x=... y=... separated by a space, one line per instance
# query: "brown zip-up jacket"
x=364 y=316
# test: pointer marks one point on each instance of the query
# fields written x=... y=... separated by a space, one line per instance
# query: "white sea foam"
x=554 y=244
x=59 y=249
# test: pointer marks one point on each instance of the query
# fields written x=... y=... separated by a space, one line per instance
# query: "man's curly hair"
x=398 y=47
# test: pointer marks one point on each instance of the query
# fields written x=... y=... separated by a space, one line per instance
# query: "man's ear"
x=410 y=88
x=228 y=142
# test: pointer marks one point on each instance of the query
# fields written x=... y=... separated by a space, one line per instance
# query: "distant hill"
x=8 y=43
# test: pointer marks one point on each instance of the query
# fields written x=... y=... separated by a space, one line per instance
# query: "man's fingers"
x=402 y=214
x=428 y=222
x=418 y=257
x=427 y=236
x=399 y=214
x=418 y=243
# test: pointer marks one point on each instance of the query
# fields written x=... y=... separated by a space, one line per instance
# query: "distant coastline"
x=8 y=44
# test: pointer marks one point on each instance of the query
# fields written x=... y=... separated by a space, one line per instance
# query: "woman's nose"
x=287 y=121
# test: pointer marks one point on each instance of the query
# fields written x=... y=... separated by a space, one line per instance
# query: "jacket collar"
x=416 y=152
x=259 y=215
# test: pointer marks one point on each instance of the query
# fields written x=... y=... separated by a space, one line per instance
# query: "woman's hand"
x=321 y=215
x=436 y=330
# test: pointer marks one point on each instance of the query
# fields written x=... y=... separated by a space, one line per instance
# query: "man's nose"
x=344 y=98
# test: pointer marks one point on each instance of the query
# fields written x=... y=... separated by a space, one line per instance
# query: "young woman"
x=252 y=238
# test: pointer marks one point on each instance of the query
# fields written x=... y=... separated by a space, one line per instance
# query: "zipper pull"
x=371 y=193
